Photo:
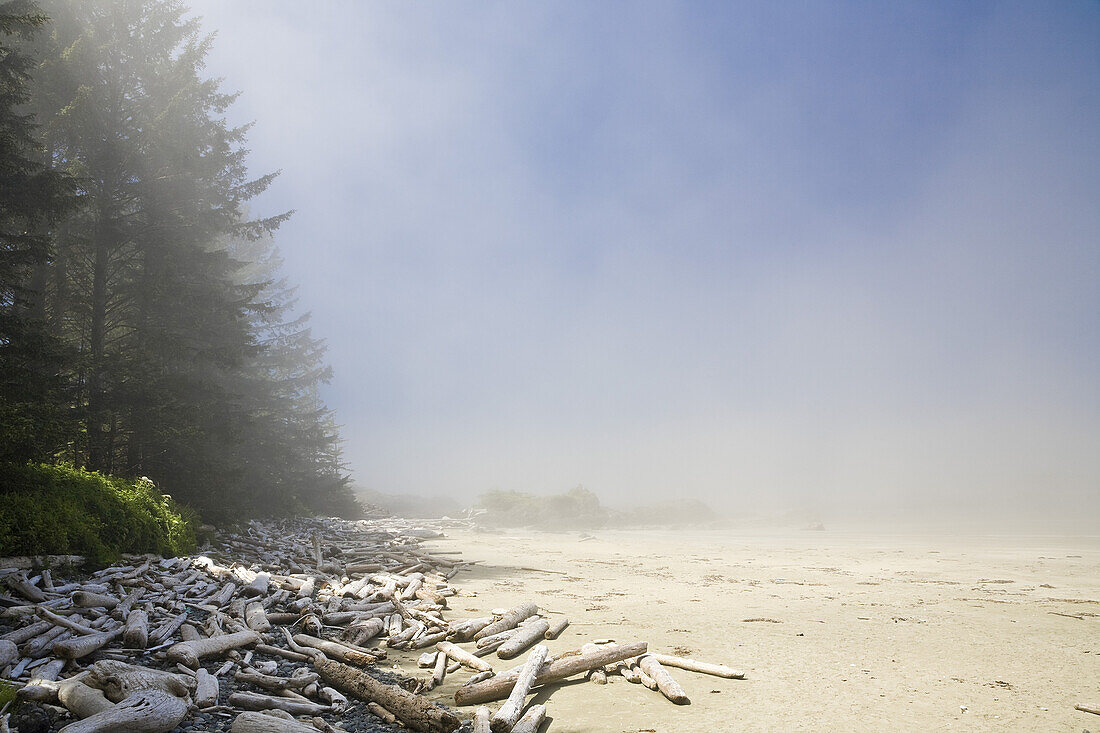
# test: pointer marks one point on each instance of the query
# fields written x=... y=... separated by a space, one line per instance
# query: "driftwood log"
x=508 y=714
x=509 y=620
x=718 y=670
x=252 y=722
x=500 y=686
x=149 y=711
x=556 y=628
x=206 y=689
x=413 y=711
x=531 y=720
x=80 y=699
x=188 y=653
x=136 y=632
x=523 y=638
x=254 y=701
x=81 y=646
x=668 y=686
x=482 y=723
x=342 y=652
x=463 y=657
x=9 y=652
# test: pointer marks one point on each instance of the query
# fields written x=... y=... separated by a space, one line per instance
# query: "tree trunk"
x=414 y=711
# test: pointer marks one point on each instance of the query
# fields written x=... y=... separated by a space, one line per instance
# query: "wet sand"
x=835 y=631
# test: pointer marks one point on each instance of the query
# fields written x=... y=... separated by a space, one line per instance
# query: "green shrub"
x=48 y=510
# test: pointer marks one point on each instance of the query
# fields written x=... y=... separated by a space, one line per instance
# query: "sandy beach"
x=834 y=630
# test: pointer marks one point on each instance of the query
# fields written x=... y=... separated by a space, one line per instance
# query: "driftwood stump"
x=149 y=711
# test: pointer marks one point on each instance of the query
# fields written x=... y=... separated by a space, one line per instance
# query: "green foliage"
x=64 y=510
x=576 y=508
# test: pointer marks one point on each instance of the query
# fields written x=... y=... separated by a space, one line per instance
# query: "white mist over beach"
x=832 y=259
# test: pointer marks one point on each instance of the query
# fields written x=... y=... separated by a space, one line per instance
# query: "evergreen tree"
x=33 y=419
x=189 y=370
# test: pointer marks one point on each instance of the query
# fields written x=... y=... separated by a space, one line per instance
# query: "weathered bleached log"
x=669 y=687
x=188 y=653
x=255 y=701
x=120 y=680
x=225 y=595
x=136 y=632
x=500 y=686
x=464 y=630
x=1094 y=709
x=489 y=648
x=510 y=620
x=68 y=623
x=49 y=671
x=644 y=677
x=523 y=638
x=440 y=670
x=255 y=617
x=481 y=720
x=81 y=646
x=531 y=720
x=508 y=714
x=556 y=628
x=422 y=642
x=474 y=679
x=23 y=587
x=500 y=636
x=718 y=670
x=148 y=711
x=81 y=699
x=189 y=633
x=463 y=657
x=270 y=682
x=85 y=599
x=39 y=691
x=28 y=632
x=164 y=632
x=336 y=650
x=29 y=562
x=258 y=587
x=414 y=711
x=9 y=652
x=599 y=674
x=40 y=646
x=277 y=651
x=253 y=722
x=206 y=689
x=334 y=698
x=367 y=627
x=123 y=608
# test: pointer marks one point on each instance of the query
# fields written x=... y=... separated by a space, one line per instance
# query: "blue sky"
x=775 y=255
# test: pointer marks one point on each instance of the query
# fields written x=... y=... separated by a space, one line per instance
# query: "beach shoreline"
x=835 y=630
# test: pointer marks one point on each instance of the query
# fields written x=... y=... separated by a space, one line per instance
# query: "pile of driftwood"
x=279 y=628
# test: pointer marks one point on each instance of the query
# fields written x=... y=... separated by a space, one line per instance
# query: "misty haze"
x=764 y=336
